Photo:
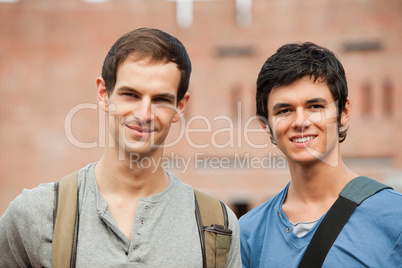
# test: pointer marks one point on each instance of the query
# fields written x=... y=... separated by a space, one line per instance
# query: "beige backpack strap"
x=213 y=226
x=65 y=222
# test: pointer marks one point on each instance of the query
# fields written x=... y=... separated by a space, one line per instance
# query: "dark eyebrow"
x=317 y=100
x=168 y=96
x=126 y=88
x=279 y=106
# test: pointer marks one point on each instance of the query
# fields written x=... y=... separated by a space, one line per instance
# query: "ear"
x=102 y=94
x=264 y=125
x=345 y=115
x=180 y=108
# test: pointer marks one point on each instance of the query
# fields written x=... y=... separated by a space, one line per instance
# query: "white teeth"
x=304 y=139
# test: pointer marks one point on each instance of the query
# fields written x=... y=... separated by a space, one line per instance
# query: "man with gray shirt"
x=130 y=215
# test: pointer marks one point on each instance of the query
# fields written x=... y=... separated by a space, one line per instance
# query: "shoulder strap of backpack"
x=65 y=222
x=211 y=215
x=361 y=188
x=213 y=227
x=354 y=193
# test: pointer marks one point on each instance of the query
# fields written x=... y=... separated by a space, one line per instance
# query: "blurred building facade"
x=52 y=51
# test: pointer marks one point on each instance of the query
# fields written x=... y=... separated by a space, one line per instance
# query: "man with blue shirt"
x=303 y=104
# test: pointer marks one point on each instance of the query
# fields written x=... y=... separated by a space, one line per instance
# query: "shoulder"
x=375 y=221
x=33 y=202
x=30 y=215
x=179 y=192
x=386 y=200
x=27 y=224
x=259 y=213
x=178 y=184
x=185 y=189
x=253 y=226
x=381 y=214
x=391 y=194
x=386 y=206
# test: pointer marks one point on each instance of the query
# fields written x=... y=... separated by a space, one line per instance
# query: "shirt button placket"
x=142 y=220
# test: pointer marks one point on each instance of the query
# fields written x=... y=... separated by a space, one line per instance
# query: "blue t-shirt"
x=371 y=238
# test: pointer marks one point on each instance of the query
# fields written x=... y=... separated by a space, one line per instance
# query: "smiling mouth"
x=139 y=129
x=303 y=139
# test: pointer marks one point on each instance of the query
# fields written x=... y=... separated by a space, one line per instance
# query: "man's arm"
x=244 y=247
x=396 y=255
x=25 y=225
x=234 y=258
x=12 y=250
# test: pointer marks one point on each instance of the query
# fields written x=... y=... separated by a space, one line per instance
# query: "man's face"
x=303 y=118
x=142 y=105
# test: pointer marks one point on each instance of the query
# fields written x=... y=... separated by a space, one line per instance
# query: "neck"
x=319 y=181
x=313 y=189
x=133 y=176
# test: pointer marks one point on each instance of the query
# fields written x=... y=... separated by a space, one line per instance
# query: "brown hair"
x=147 y=43
x=292 y=62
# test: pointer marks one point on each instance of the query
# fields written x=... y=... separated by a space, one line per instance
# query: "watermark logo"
x=201 y=161
x=188 y=127
x=236 y=130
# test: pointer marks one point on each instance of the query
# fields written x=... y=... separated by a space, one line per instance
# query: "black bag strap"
x=354 y=193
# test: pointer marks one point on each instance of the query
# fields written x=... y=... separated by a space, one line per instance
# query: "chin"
x=304 y=157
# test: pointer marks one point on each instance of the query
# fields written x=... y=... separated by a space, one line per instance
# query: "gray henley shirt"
x=164 y=234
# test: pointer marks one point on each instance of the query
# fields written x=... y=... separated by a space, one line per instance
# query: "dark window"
x=234 y=51
x=362 y=46
x=240 y=209
x=367 y=99
x=235 y=99
x=388 y=96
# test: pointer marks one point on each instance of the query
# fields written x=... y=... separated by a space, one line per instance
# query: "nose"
x=301 y=120
x=145 y=111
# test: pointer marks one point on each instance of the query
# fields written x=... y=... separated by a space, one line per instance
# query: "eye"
x=283 y=111
x=317 y=107
x=162 y=99
x=129 y=94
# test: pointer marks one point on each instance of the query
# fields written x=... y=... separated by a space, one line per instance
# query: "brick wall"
x=52 y=51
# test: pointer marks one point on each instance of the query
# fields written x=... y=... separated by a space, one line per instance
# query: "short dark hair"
x=151 y=44
x=292 y=62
